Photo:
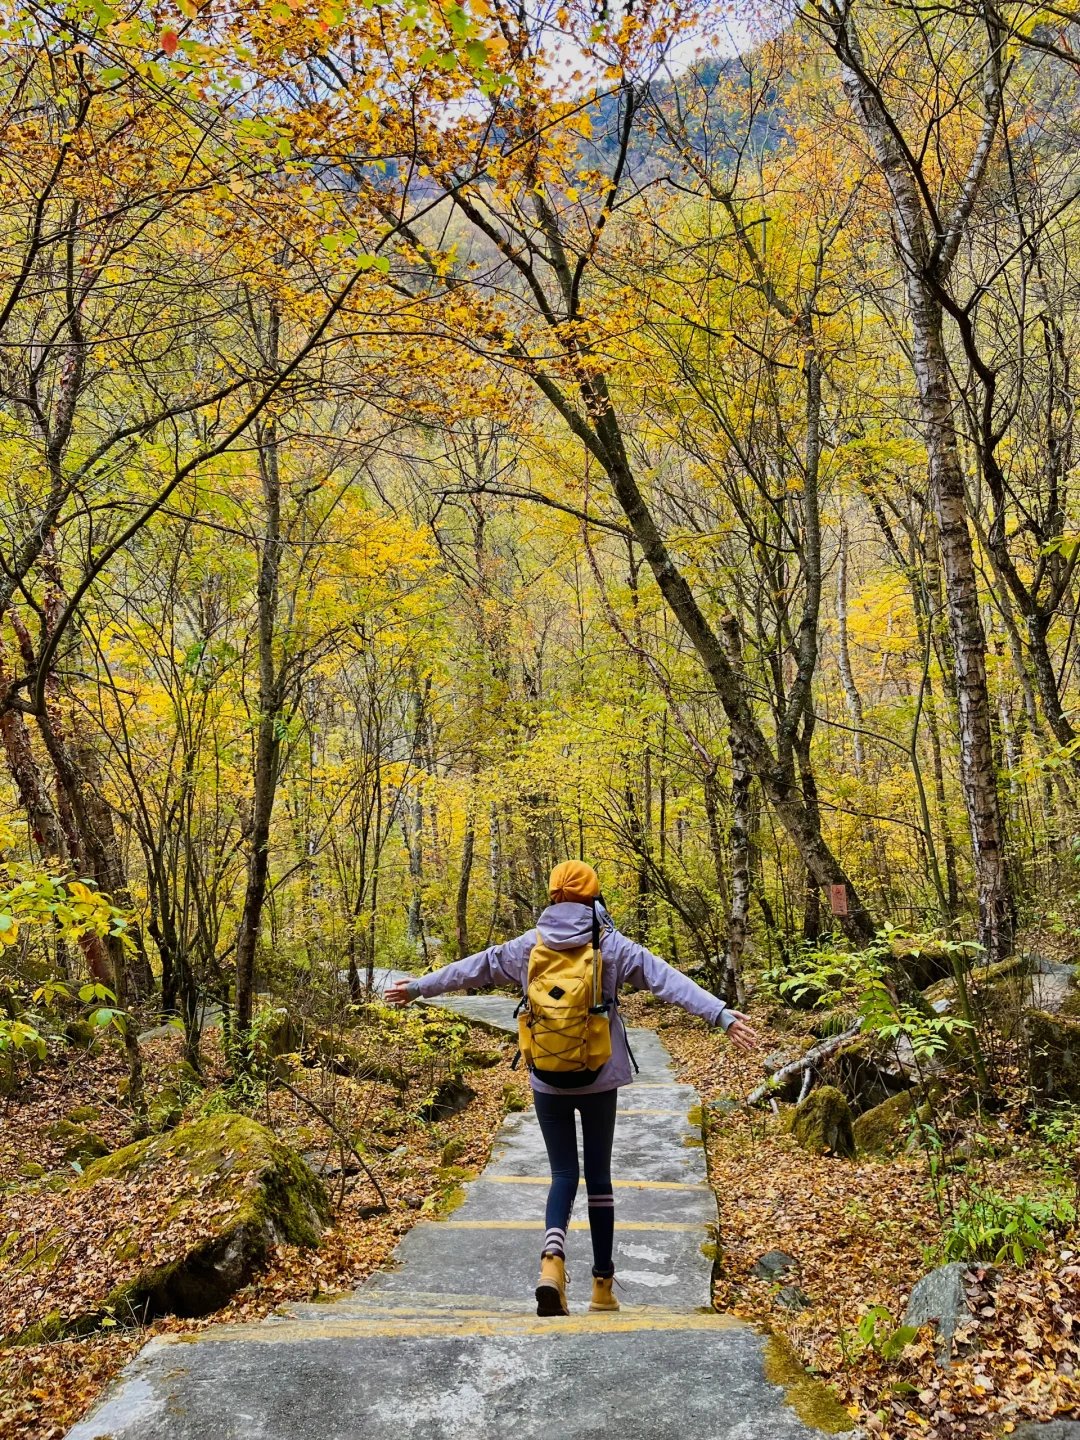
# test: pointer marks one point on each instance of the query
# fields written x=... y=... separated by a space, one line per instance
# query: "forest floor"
x=44 y=1389
x=863 y=1231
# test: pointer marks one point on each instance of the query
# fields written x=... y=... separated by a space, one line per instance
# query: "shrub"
x=988 y=1226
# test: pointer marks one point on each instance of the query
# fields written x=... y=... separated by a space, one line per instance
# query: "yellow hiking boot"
x=603 y=1296
x=551 y=1287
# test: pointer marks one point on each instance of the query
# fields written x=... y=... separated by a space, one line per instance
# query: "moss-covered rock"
x=474 y=1059
x=81 y=1033
x=190 y=1217
x=1054 y=1047
x=881 y=1130
x=822 y=1123
x=83 y=1115
x=183 y=1077
x=449 y=1097
x=981 y=979
x=80 y=1144
x=165 y=1109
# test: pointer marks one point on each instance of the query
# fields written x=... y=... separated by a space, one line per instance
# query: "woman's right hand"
x=398 y=994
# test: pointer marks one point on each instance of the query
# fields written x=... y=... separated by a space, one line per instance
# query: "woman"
x=574 y=917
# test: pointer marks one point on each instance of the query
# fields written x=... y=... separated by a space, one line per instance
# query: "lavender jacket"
x=563 y=927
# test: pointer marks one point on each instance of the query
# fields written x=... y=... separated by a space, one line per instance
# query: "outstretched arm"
x=497 y=965
x=648 y=972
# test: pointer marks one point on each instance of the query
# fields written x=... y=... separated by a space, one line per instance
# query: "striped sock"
x=555 y=1242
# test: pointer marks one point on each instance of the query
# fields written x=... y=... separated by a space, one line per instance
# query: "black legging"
x=556 y=1116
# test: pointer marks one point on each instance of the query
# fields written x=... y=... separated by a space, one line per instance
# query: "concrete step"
x=451 y=1376
x=657 y=1265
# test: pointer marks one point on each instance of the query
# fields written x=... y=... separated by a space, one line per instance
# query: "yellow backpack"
x=563 y=1028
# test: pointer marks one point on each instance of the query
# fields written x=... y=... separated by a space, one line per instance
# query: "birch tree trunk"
x=925 y=248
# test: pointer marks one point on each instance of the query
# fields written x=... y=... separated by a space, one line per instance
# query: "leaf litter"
x=862 y=1233
x=45 y=1388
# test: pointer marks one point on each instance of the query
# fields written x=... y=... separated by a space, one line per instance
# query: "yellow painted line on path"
x=681 y=1113
x=574 y=1225
x=451 y=1326
x=619 y=1184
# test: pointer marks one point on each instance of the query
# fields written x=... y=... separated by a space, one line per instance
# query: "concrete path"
x=444 y=1344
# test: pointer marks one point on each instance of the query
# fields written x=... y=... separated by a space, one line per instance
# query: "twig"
x=306 y=1100
x=795 y=1067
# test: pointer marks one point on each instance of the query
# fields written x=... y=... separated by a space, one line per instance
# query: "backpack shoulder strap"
x=598 y=1003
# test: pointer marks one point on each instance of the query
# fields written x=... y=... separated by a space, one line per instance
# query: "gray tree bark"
x=926 y=247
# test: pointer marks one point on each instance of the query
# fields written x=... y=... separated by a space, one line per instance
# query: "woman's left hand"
x=741 y=1033
x=397 y=994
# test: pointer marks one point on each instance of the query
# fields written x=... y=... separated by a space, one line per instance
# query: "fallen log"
x=821 y=1051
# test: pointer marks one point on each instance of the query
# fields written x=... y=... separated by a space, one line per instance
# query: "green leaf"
x=901 y=1337
x=113 y=73
x=103 y=12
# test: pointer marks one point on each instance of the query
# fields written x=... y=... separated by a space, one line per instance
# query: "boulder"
x=1054 y=1048
x=474 y=1059
x=81 y=1033
x=83 y=1115
x=864 y=1076
x=80 y=1144
x=881 y=1130
x=183 y=1077
x=924 y=963
x=773 y=1265
x=165 y=1109
x=980 y=979
x=1048 y=1430
x=822 y=1123
x=1053 y=986
x=939 y=1299
x=792 y=1298
x=449 y=1098
x=177 y=1223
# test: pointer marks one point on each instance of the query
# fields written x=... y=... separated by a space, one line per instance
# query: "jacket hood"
x=568 y=924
